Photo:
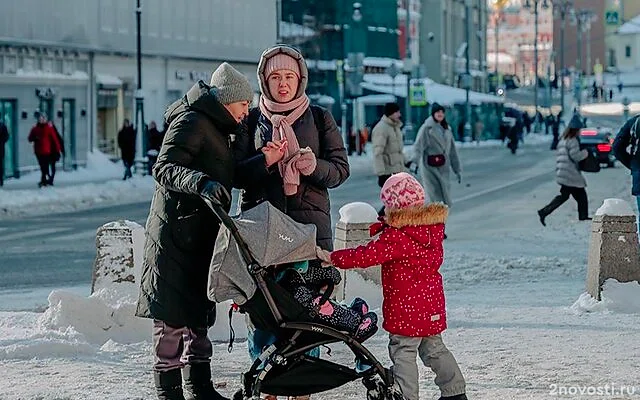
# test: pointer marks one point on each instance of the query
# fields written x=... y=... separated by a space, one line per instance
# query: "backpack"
x=316 y=111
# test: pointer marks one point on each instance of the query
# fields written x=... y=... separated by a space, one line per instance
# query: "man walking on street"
x=388 y=157
x=46 y=148
x=195 y=168
x=4 y=138
x=127 y=144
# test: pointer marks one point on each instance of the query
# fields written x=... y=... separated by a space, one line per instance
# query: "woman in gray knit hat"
x=195 y=163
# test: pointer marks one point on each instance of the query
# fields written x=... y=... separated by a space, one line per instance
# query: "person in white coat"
x=435 y=153
x=568 y=174
x=388 y=158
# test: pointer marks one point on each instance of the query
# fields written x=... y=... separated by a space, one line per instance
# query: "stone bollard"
x=119 y=247
x=353 y=230
x=613 y=249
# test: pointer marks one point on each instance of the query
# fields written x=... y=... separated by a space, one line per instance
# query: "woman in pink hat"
x=290 y=154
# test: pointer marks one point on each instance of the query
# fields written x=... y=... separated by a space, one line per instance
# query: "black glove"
x=215 y=192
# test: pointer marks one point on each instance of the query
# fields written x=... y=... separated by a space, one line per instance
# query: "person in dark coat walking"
x=155 y=141
x=4 y=138
x=196 y=163
x=556 y=131
x=127 y=145
x=293 y=152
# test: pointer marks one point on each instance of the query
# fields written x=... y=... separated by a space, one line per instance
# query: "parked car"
x=598 y=141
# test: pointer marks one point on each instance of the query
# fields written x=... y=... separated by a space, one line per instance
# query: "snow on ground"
x=100 y=183
x=520 y=324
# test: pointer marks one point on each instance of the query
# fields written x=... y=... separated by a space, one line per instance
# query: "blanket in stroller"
x=274 y=239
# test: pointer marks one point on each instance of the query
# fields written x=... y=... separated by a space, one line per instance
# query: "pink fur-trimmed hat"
x=402 y=190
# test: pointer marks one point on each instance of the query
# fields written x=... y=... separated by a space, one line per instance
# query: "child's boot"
x=456 y=397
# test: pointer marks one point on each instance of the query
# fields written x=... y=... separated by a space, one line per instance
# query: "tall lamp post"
x=498 y=6
x=467 y=74
x=140 y=125
x=533 y=5
x=409 y=68
x=562 y=8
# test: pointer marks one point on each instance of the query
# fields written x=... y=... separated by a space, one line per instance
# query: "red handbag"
x=436 y=160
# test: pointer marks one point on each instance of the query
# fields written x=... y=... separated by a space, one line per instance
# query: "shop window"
x=627 y=51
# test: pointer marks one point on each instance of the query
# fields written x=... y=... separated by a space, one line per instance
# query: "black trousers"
x=580 y=196
x=43 y=161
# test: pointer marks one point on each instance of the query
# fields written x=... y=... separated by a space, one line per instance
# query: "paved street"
x=45 y=252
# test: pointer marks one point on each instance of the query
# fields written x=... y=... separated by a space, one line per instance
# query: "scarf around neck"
x=282 y=129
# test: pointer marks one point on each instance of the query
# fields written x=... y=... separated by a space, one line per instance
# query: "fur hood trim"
x=429 y=214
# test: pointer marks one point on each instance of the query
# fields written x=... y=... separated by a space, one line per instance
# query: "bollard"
x=613 y=249
x=119 y=246
x=351 y=231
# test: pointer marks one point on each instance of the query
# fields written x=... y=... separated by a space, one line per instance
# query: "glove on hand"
x=215 y=193
x=306 y=163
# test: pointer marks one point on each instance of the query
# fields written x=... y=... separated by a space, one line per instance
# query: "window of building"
x=627 y=51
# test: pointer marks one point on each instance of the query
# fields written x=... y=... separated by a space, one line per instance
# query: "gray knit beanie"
x=231 y=85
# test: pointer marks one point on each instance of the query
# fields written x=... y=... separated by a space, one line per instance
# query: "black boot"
x=197 y=383
x=542 y=216
x=168 y=385
x=456 y=397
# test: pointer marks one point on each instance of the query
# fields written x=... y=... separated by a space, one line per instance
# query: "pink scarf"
x=294 y=162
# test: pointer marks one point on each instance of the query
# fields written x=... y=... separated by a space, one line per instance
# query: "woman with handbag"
x=568 y=174
x=435 y=153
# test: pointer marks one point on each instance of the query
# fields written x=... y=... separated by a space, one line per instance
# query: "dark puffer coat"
x=181 y=231
x=310 y=205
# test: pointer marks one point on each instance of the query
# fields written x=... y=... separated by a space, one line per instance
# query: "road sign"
x=417 y=93
x=612 y=17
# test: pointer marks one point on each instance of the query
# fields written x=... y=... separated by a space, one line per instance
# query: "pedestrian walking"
x=4 y=138
x=46 y=148
x=127 y=145
x=388 y=156
x=568 y=174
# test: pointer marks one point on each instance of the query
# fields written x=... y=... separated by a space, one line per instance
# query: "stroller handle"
x=226 y=220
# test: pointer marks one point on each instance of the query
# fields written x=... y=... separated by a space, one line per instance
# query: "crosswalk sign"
x=417 y=94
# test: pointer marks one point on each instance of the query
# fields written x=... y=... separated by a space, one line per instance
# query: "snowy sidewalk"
x=100 y=183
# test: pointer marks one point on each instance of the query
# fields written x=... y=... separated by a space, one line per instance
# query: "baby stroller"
x=239 y=272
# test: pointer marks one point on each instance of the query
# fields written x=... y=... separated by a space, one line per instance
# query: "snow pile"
x=618 y=297
x=358 y=213
x=616 y=207
x=105 y=315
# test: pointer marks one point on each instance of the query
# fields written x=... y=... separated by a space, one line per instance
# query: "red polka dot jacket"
x=409 y=248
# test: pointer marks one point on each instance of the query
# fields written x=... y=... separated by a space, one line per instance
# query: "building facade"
x=617 y=13
x=583 y=48
x=76 y=61
x=511 y=34
x=443 y=37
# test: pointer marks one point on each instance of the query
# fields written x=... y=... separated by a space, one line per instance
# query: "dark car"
x=598 y=141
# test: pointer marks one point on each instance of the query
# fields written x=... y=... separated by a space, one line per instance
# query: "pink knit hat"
x=402 y=190
x=281 y=61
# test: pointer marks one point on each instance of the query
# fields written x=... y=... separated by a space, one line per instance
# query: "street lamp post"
x=528 y=5
x=140 y=125
x=467 y=84
x=562 y=8
x=409 y=68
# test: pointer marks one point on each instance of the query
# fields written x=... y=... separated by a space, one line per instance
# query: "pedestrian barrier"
x=613 y=247
x=352 y=234
x=119 y=246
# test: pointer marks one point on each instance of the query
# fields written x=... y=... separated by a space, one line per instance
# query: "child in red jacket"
x=409 y=248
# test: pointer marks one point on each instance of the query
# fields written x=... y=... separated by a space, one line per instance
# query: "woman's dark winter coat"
x=181 y=230
x=310 y=205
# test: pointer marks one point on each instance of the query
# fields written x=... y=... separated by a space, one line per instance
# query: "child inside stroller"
x=286 y=304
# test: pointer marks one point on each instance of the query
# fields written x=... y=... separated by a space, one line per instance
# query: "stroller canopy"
x=272 y=238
